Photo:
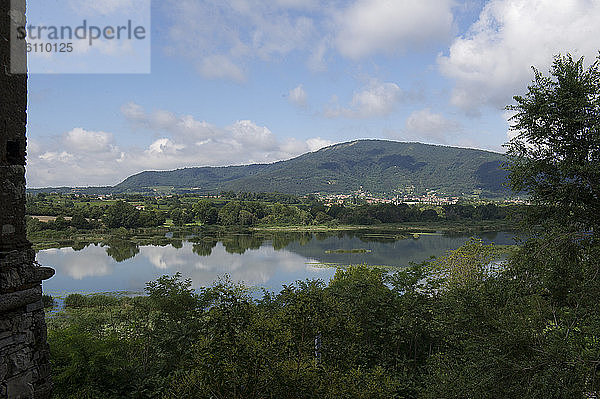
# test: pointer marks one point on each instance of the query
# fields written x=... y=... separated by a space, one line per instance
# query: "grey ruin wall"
x=24 y=356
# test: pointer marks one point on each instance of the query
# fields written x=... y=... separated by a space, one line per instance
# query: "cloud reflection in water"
x=91 y=269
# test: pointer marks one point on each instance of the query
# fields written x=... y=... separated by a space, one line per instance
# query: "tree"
x=178 y=216
x=151 y=219
x=121 y=214
x=229 y=214
x=246 y=218
x=206 y=212
x=79 y=221
x=555 y=156
x=472 y=263
x=429 y=215
x=60 y=223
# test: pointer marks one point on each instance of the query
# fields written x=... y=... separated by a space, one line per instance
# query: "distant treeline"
x=241 y=209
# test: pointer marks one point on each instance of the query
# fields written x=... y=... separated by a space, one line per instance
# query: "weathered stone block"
x=19 y=271
x=13 y=339
x=5 y=323
x=3 y=370
x=8 y=229
x=21 y=387
x=32 y=307
x=19 y=361
x=20 y=299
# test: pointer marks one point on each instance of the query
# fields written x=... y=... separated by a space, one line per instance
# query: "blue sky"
x=244 y=81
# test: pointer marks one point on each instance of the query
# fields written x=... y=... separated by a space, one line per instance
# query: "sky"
x=253 y=81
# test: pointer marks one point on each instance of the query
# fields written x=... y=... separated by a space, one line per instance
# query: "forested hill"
x=378 y=166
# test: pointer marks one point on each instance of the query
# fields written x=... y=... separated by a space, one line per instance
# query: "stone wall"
x=24 y=356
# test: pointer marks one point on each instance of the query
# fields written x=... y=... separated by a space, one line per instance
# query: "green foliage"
x=85 y=225
x=472 y=263
x=89 y=365
x=180 y=217
x=123 y=214
x=556 y=153
x=520 y=330
x=531 y=331
x=79 y=221
x=206 y=212
x=33 y=225
x=531 y=328
x=220 y=342
x=89 y=301
x=280 y=214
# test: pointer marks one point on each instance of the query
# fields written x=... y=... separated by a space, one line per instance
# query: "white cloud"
x=133 y=111
x=84 y=140
x=297 y=96
x=377 y=99
x=249 y=135
x=282 y=35
x=55 y=156
x=428 y=127
x=68 y=262
x=317 y=143
x=222 y=37
x=491 y=63
x=162 y=119
x=204 y=271
x=392 y=26
x=507 y=116
x=429 y=123
x=197 y=143
x=164 y=146
x=316 y=60
x=185 y=126
x=82 y=157
x=221 y=67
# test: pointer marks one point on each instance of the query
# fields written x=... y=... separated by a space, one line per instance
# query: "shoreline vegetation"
x=66 y=215
x=77 y=238
x=59 y=220
x=409 y=228
x=348 y=251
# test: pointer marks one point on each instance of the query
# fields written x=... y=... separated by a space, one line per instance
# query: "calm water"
x=257 y=260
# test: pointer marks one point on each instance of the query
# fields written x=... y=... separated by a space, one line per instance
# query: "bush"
x=90 y=301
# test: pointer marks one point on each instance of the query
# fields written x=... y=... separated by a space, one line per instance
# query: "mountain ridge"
x=378 y=166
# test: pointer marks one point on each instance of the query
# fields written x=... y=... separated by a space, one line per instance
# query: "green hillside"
x=378 y=166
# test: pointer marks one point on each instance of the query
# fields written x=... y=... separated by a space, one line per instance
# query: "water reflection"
x=121 y=250
x=204 y=247
x=267 y=260
x=256 y=267
x=91 y=270
x=91 y=262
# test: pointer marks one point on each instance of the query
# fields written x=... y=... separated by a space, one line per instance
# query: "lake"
x=258 y=260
